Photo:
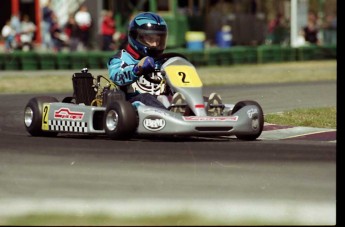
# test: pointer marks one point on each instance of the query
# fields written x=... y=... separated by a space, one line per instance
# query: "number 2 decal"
x=183 y=77
x=45 y=125
x=45 y=114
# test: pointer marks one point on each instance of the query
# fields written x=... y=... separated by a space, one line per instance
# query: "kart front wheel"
x=33 y=113
x=120 y=120
x=257 y=120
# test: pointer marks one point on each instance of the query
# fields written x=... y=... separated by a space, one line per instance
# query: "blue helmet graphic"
x=147 y=34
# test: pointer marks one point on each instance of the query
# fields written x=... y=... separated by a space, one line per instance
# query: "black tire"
x=120 y=120
x=260 y=119
x=33 y=112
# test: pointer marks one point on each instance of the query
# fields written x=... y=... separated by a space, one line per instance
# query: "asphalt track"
x=274 y=179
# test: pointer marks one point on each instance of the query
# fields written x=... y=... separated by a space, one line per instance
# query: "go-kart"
x=98 y=108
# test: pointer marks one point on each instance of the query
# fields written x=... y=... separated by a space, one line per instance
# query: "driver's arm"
x=127 y=72
x=121 y=73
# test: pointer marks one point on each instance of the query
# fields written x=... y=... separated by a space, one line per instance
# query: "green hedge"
x=275 y=53
x=212 y=56
x=11 y=61
x=47 y=61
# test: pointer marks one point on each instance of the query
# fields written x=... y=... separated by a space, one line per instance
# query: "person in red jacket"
x=107 y=31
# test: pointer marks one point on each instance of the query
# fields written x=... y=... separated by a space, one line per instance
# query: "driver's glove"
x=146 y=65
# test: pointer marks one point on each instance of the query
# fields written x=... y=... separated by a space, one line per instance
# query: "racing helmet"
x=147 y=34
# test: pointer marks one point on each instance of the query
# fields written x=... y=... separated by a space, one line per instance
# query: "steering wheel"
x=162 y=58
x=154 y=81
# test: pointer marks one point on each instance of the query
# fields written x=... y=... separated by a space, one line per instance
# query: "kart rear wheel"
x=33 y=113
x=120 y=120
x=257 y=120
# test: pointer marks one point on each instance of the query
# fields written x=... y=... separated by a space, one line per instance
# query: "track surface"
x=280 y=181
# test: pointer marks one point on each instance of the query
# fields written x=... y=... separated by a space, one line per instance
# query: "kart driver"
x=147 y=36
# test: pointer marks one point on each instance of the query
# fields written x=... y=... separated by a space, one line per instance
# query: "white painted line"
x=277 y=211
x=291 y=132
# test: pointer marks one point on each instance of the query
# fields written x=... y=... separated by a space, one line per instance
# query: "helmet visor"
x=152 y=39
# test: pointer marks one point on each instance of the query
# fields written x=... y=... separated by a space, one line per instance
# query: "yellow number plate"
x=183 y=76
x=45 y=125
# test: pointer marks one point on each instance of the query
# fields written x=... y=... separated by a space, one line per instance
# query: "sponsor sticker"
x=66 y=113
x=209 y=118
x=144 y=85
x=154 y=123
x=251 y=112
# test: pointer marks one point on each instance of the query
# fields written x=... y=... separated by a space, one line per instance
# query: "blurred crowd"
x=309 y=34
x=19 y=32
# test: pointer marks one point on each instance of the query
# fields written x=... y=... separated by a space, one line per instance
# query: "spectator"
x=277 y=30
x=120 y=40
x=28 y=29
x=8 y=34
x=330 y=30
x=310 y=30
x=300 y=40
x=107 y=31
x=15 y=23
x=59 y=38
x=16 y=26
x=72 y=32
x=84 y=22
x=47 y=13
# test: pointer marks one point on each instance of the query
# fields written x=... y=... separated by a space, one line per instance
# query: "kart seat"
x=83 y=90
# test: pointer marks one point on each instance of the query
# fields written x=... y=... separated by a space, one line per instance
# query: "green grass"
x=314 y=117
x=269 y=73
x=60 y=80
x=93 y=220
x=177 y=219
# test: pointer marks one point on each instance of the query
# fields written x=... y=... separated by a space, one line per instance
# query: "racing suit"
x=136 y=87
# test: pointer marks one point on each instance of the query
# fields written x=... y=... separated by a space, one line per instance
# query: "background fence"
x=206 y=57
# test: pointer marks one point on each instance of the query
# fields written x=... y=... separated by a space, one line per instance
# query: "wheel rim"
x=28 y=116
x=112 y=120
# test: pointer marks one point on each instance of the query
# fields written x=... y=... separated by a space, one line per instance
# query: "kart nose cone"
x=28 y=116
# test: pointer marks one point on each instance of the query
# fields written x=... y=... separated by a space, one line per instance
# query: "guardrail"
x=206 y=57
